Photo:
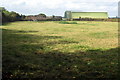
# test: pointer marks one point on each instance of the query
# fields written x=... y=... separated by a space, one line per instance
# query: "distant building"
x=76 y=15
x=35 y=18
x=42 y=18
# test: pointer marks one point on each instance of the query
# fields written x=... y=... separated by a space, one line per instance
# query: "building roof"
x=88 y=14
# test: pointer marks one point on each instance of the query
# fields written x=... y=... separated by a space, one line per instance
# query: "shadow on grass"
x=20 y=60
x=66 y=22
x=7 y=23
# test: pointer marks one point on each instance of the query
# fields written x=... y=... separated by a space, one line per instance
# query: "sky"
x=58 y=7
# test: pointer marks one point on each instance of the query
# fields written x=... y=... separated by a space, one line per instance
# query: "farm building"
x=76 y=15
x=42 y=18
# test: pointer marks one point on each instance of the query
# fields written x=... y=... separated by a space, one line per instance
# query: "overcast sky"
x=58 y=7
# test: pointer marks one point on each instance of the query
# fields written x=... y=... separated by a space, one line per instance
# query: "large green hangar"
x=75 y=15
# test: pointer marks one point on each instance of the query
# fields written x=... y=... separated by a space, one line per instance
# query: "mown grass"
x=61 y=51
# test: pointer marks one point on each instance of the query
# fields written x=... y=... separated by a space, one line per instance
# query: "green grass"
x=62 y=51
x=66 y=22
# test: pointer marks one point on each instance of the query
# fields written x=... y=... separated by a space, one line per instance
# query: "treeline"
x=10 y=16
x=42 y=17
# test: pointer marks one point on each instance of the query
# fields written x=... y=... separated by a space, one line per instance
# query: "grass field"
x=61 y=50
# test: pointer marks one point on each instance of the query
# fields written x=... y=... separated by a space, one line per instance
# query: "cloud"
x=58 y=7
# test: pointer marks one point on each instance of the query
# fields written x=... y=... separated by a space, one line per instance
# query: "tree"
x=2 y=8
x=42 y=15
x=9 y=16
x=5 y=15
x=22 y=17
x=53 y=16
x=14 y=16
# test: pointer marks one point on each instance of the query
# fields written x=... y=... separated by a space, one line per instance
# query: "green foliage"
x=14 y=16
x=42 y=15
x=2 y=8
x=23 y=17
x=9 y=16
